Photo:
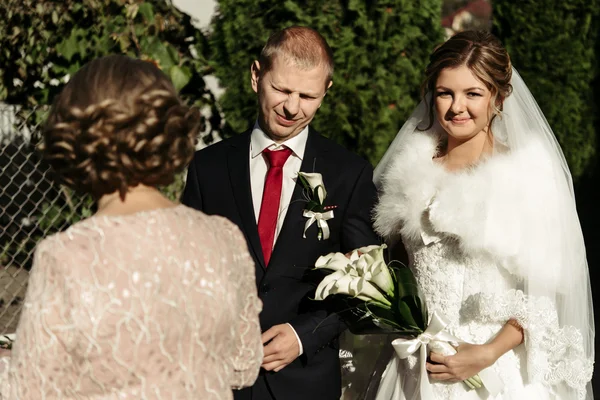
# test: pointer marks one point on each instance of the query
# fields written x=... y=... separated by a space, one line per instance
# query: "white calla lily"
x=347 y=284
x=333 y=261
x=380 y=275
x=354 y=255
x=315 y=180
x=366 y=263
x=374 y=251
x=377 y=252
x=358 y=287
x=327 y=284
x=364 y=275
x=366 y=291
x=371 y=248
x=363 y=264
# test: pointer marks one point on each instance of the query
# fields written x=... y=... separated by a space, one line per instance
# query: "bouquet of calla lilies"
x=385 y=295
x=382 y=297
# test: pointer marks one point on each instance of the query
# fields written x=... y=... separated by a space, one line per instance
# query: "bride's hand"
x=469 y=360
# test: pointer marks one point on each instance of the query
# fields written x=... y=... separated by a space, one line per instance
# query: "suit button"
x=264 y=288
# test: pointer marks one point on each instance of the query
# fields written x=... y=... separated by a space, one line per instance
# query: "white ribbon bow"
x=390 y=387
x=320 y=218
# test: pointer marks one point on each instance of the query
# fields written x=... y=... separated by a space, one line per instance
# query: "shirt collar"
x=259 y=141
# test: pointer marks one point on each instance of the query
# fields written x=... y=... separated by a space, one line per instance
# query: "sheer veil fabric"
x=538 y=241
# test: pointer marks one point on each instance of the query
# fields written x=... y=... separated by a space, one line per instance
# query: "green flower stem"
x=474 y=382
x=477 y=380
x=469 y=384
x=386 y=304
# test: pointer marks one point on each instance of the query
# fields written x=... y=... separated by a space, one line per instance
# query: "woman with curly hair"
x=147 y=298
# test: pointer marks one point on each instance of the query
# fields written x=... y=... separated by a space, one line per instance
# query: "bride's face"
x=462 y=103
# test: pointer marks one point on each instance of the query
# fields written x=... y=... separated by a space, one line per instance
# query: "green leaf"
x=147 y=11
x=103 y=44
x=173 y=54
x=124 y=43
x=157 y=50
x=419 y=315
x=180 y=76
x=131 y=10
x=68 y=47
x=304 y=182
x=312 y=205
x=404 y=315
x=406 y=285
x=316 y=194
x=384 y=314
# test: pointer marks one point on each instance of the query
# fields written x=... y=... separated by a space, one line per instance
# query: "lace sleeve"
x=4 y=365
x=43 y=325
x=555 y=354
x=249 y=348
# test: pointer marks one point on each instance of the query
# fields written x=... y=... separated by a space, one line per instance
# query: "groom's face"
x=288 y=97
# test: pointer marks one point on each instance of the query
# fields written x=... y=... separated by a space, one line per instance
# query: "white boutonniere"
x=315 y=210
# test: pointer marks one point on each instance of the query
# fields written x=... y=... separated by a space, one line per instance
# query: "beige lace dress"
x=154 y=305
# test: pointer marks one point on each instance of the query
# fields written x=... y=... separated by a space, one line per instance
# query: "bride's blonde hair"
x=483 y=54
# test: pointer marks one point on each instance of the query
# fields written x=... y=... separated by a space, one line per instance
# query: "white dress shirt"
x=259 y=141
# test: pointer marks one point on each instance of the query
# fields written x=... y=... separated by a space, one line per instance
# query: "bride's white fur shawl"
x=507 y=207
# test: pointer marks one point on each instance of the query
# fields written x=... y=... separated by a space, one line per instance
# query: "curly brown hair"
x=483 y=54
x=118 y=123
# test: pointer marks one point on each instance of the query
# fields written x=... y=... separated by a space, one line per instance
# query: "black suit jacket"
x=219 y=183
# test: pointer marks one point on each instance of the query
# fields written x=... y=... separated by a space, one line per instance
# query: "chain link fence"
x=32 y=207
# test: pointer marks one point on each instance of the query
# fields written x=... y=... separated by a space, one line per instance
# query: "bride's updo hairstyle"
x=118 y=123
x=483 y=54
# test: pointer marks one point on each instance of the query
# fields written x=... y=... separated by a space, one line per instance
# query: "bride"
x=478 y=191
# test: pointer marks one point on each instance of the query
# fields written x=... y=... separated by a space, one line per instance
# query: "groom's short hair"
x=303 y=46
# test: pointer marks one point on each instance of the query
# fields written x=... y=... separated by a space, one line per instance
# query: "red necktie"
x=269 y=208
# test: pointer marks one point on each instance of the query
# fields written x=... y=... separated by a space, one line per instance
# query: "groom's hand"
x=281 y=347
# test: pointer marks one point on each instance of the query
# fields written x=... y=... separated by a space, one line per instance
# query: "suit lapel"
x=239 y=175
x=310 y=163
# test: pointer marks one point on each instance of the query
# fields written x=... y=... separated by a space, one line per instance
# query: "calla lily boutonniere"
x=315 y=210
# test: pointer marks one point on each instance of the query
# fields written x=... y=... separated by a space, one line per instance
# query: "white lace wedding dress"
x=439 y=216
x=154 y=305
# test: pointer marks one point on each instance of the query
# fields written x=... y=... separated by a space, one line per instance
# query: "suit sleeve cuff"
x=299 y=341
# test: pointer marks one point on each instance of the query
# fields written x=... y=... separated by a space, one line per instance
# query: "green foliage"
x=44 y=42
x=380 y=49
x=175 y=189
x=551 y=44
x=61 y=213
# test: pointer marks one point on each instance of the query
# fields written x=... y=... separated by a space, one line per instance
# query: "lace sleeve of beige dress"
x=4 y=365
x=249 y=347
x=42 y=319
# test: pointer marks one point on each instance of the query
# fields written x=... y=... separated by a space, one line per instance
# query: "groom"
x=252 y=180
